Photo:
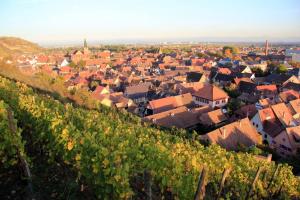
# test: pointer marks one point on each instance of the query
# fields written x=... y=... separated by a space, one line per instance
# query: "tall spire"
x=85 y=43
x=266 y=47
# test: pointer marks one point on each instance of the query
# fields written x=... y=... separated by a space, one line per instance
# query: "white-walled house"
x=210 y=95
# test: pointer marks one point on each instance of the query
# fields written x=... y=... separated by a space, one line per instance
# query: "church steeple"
x=85 y=48
x=85 y=44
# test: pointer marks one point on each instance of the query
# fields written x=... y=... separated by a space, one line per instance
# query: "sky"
x=63 y=21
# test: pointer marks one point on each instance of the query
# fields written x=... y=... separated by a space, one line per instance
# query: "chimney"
x=240 y=123
x=223 y=130
x=283 y=115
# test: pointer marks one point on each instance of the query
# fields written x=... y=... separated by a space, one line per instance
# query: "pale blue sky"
x=47 y=21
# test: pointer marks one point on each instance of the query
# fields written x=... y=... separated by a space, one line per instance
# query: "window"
x=283 y=139
x=217 y=102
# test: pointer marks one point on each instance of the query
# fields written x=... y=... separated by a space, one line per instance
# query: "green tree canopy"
x=230 y=50
x=281 y=69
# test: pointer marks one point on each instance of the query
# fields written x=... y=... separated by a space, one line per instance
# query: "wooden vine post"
x=200 y=193
x=253 y=183
x=148 y=185
x=222 y=182
x=23 y=161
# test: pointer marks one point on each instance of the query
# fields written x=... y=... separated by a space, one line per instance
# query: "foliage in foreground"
x=109 y=149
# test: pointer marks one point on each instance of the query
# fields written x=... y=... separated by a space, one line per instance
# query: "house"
x=294 y=108
x=196 y=77
x=264 y=103
x=100 y=90
x=267 y=124
x=281 y=79
x=64 y=63
x=243 y=69
x=116 y=99
x=213 y=118
x=65 y=70
x=225 y=61
x=246 y=87
x=169 y=103
x=293 y=86
x=288 y=95
x=287 y=143
x=210 y=95
x=263 y=65
x=233 y=135
x=138 y=93
x=266 y=91
x=224 y=70
x=183 y=88
x=246 y=111
x=273 y=120
x=181 y=117
x=283 y=113
x=222 y=79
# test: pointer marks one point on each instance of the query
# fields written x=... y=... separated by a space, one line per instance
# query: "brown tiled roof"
x=139 y=88
x=282 y=113
x=247 y=111
x=265 y=102
x=180 y=117
x=294 y=136
x=294 y=106
x=271 y=88
x=211 y=92
x=289 y=95
x=213 y=117
x=271 y=125
x=164 y=104
x=231 y=135
x=189 y=87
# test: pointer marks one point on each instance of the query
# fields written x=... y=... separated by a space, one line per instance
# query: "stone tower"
x=85 y=47
x=266 y=47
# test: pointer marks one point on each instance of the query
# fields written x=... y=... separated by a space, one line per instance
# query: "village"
x=234 y=97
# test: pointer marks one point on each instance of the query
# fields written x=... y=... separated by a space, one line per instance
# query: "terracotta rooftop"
x=213 y=117
x=232 y=135
x=211 y=92
x=283 y=114
x=164 y=104
x=180 y=117
x=289 y=95
x=271 y=88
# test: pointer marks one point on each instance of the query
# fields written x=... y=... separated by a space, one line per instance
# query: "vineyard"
x=111 y=155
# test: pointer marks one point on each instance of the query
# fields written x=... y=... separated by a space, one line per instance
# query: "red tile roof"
x=211 y=92
x=160 y=105
x=232 y=135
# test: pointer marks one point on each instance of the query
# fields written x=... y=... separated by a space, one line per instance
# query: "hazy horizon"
x=120 y=22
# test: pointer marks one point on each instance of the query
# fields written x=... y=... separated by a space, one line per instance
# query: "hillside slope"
x=14 y=45
x=111 y=151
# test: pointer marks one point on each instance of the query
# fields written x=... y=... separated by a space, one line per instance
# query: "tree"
x=258 y=72
x=233 y=105
x=232 y=91
x=281 y=69
x=228 y=51
x=72 y=64
x=81 y=64
x=272 y=67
